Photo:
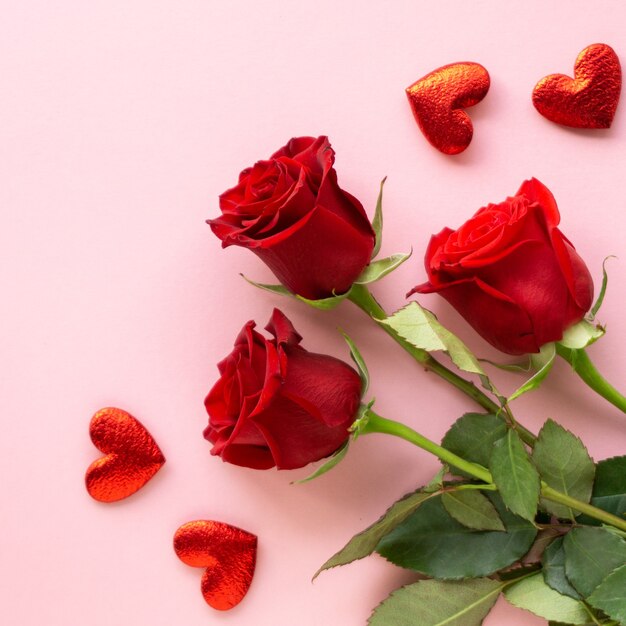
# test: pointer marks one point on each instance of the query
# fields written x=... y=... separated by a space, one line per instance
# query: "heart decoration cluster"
x=132 y=458
x=589 y=100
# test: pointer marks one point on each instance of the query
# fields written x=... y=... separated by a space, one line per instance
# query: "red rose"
x=511 y=273
x=291 y=212
x=278 y=404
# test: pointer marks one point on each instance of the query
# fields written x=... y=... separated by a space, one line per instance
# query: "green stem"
x=603 y=516
x=363 y=298
x=378 y=424
x=583 y=366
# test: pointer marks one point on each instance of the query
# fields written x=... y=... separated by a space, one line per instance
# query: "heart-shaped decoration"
x=588 y=100
x=227 y=552
x=132 y=456
x=437 y=101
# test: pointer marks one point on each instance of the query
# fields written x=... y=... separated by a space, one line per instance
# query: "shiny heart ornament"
x=588 y=100
x=132 y=456
x=438 y=100
x=228 y=554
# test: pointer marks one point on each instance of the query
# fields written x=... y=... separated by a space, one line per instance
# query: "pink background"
x=121 y=122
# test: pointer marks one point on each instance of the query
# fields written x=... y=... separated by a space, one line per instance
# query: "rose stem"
x=376 y=424
x=582 y=365
x=363 y=298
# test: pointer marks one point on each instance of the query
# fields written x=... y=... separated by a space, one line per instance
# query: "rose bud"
x=291 y=212
x=511 y=273
x=277 y=404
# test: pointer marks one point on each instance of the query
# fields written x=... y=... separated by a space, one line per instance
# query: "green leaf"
x=472 y=437
x=365 y=542
x=565 y=465
x=421 y=329
x=532 y=594
x=515 y=476
x=438 y=603
x=591 y=554
x=605 y=279
x=544 y=538
x=581 y=335
x=432 y=542
x=554 y=569
x=609 y=487
x=610 y=595
x=333 y=460
x=379 y=269
x=360 y=364
x=542 y=362
x=472 y=509
x=377 y=222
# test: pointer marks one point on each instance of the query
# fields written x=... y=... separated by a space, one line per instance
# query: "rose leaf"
x=610 y=595
x=432 y=542
x=554 y=569
x=421 y=329
x=609 y=488
x=472 y=509
x=472 y=437
x=438 y=602
x=515 y=476
x=365 y=542
x=591 y=554
x=565 y=465
x=534 y=595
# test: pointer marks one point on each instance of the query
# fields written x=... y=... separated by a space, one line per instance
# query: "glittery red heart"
x=132 y=456
x=229 y=555
x=588 y=100
x=437 y=101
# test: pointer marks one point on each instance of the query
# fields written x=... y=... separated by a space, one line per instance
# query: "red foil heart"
x=132 y=456
x=229 y=555
x=588 y=100
x=437 y=101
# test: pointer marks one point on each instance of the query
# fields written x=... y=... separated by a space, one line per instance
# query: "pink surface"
x=121 y=122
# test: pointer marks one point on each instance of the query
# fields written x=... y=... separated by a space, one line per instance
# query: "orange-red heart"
x=588 y=100
x=227 y=552
x=438 y=98
x=132 y=456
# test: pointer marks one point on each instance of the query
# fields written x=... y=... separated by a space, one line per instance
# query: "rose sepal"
x=379 y=269
x=542 y=363
x=324 y=304
x=605 y=280
x=339 y=455
x=359 y=361
x=377 y=222
x=581 y=335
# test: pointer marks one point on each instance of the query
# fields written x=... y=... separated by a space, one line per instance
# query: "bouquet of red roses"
x=528 y=515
